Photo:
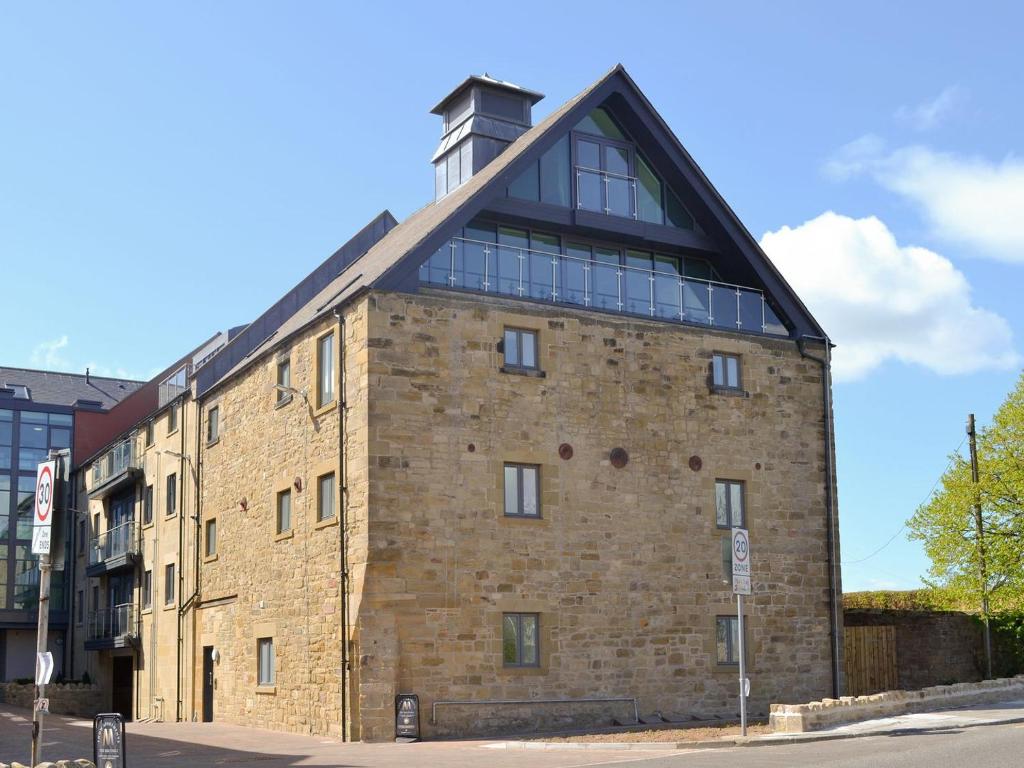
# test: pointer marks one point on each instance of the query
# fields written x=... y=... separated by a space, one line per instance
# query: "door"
x=207 y=683
x=121 y=686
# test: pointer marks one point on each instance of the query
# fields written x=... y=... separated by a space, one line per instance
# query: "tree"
x=947 y=527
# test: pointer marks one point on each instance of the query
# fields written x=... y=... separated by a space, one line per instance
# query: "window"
x=78 y=607
x=265 y=672
x=149 y=433
x=325 y=497
x=95 y=598
x=325 y=370
x=147 y=505
x=520 y=349
x=172 y=494
x=169 y=584
x=284 y=379
x=213 y=425
x=211 y=537
x=284 y=511
x=522 y=490
x=520 y=644
x=729 y=511
x=172 y=419
x=727 y=638
x=147 y=589
x=725 y=371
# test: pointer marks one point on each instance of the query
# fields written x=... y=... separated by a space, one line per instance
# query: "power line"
x=927 y=496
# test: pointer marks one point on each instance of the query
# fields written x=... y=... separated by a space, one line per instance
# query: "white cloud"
x=928 y=114
x=880 y=300
x=47 y=354
x=972 y=202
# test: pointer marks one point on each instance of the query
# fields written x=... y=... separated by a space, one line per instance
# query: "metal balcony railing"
x=125 y=455
x=478 y=265
x=110 y=623
x=119 y=540
x=606 y=192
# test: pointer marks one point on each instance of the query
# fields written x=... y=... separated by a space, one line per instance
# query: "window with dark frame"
x=520 y=639
x=520 y=349
x=522 y=490
x=211 y=537
x=172 y=419
x=266 y=661
x=727 y=640
x=325 y=370
x=725 y=371
x=172 y=494
x=147 y=589
x=149 y=433
x=729 y=504
x=147 y=505
x=213 y=425
x=169 y=584
x=284 y=511
x=284 y=379
x=325 y=497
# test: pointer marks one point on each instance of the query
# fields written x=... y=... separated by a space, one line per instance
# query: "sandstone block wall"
x=65 y=698
x=625 y=565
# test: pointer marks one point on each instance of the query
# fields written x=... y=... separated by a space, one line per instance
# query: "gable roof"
x=393 y=260
x=65 y=389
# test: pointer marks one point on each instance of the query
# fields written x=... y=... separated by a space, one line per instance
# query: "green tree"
x=947 y=527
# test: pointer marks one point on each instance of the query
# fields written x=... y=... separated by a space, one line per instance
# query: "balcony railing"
x=478 y=265
x=112 y=623
x=606 y=192
x=123 y=456
x=120 y=540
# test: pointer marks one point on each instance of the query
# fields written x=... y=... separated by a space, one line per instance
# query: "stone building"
x=491 y=455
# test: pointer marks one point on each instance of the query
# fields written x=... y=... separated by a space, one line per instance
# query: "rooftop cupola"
x=481 y=117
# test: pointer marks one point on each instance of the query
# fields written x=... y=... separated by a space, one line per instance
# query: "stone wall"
x=625 y=565
x=76 y=699
x=827 y=713
x=932 y=647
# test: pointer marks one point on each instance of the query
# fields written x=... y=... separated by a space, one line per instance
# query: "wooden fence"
x=870 y=654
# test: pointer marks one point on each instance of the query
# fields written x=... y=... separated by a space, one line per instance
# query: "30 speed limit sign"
x=43 y=514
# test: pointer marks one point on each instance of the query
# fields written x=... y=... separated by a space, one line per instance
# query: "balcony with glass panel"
x=115 y=627
x=117 y=467
x=599 y=280
x=116 y=549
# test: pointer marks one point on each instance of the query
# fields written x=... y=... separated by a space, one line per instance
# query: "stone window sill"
x=211 y=443
x=210 y=558
x=147 y=611
x=283 y=401
x=266 y=690
x=283 y=535
x=729 y=391
x=150 y=524
x=534 y=373
x=326 y=408
x=169 y=607
x=326 y=523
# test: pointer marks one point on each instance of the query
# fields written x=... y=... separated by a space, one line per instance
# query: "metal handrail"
x=118 y=621
x=607 y=173
x=116 y=541
x=123 y=455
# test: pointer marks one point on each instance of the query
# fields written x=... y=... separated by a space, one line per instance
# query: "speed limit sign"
x=43 y=507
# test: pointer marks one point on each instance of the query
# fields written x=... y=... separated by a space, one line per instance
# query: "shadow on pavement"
x=950 y=731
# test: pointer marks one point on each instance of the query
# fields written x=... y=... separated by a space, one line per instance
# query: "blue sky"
x=167 y=171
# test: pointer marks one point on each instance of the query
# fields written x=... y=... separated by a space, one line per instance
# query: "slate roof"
x=58 y=388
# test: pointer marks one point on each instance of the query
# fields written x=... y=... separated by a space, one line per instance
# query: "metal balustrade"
x=606 y=192
x=478 y=265
x=120 y=540
x=125 y=455
x=110 y=623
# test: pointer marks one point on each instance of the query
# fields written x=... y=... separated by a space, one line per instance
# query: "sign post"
x=741 y=587
x=46 y=485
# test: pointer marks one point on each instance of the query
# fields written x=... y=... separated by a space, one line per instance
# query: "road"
x=177 y=745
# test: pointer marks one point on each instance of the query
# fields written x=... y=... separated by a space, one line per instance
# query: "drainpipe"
x=179 y=500
x=830 y=515
x=343 y=523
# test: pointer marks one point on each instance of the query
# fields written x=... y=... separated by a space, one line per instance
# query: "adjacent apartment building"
x=489 y=455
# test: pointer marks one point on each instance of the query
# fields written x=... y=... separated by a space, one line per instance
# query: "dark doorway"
x=121 y=686
x=207 y=683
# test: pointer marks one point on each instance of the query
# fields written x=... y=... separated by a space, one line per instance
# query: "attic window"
x=600 y=123
x=16 y=391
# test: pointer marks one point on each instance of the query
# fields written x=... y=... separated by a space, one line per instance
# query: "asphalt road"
x=989 y=746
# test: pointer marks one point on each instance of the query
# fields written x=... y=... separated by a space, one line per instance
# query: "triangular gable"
x=435 y=224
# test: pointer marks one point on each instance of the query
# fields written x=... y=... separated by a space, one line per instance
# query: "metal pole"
x=41 y=630
x=743 y=666
x=980 y=530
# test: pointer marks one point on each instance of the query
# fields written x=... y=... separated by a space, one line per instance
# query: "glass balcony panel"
x=438 y=267
x=619 y=196
x=750 y=310
x=772 y=324
x=475 y=258
x=695 y=302
x=666 y=296
x=574 y=275
x=606 y=282
x=507 y=269
x=540 y=277
x=723 y=306
x=589 y=192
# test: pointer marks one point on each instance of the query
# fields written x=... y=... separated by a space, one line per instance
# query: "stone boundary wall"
x=800 y=718
x=78 y=699
x=81 y=763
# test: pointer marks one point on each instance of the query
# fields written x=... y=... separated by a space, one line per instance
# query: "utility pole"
x=980 y=532
x=41 y=631
x=44 y=503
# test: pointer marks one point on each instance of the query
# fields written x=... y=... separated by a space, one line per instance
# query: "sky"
x=168 y=170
